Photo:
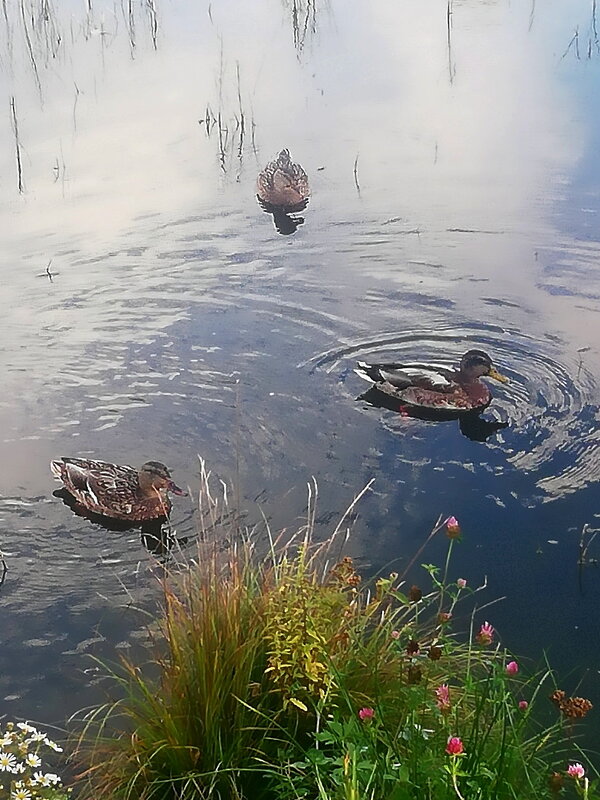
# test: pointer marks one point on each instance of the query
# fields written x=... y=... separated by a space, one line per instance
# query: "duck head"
x=154 y=476
x=476 y=363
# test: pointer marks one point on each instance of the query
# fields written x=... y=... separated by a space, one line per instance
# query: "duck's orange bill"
x=497 y=376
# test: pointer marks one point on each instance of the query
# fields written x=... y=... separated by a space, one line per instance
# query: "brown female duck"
x=283 y=185
x=120 y=492
x=437 y=391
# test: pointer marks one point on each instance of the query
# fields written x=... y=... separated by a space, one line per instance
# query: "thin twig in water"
x=574 y=41
x=584 y=545
x=131 y=25
x=30 y=49
x=580 y=351
x=77 y=93
x=451 y=68
x=4 y=570
x=356 y=183
x=48 y=273
x=17 y=145
x=531 y=15
x=153 y=21
x=242 y=121
x=8 y=31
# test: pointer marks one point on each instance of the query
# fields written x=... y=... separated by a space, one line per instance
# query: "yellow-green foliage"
x=304 y=625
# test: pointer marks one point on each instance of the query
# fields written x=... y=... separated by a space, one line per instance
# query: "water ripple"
x=553 y=420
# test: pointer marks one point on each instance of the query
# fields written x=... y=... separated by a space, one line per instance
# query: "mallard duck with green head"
x=436 y=392
x=118 y=491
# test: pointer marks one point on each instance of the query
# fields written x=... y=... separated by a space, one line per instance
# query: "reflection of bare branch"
x=130 y=21
x=304 y=21
x=8 y=30
x=574 y=41
x=593 y=37
x=230 y=124
x=30 y=48
x=531 y=15
x=77 y=93
x=153 y=21
x=451 y=67
x=15 y=126
x=356 y=183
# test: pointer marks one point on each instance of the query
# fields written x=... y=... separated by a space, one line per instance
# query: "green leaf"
x=400 y=792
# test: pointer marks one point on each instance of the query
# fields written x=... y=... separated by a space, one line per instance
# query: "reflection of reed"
x=451 y=65
x=30 y=47
x=15 y=126
x=230 y=124
x=304 y=20
x=592 y=43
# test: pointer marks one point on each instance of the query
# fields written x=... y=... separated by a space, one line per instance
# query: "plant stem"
x=445 y=577
x=454 y=781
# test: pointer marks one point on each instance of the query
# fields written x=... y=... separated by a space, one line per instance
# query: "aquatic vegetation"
x=22 y=775
x=284 y=677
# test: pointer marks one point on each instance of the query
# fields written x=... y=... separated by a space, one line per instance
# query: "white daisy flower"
x=52 y=777
x=32 y=760
x=26 y=727
x=20 y=794
x=53 y=745
x=40 y=779
x=20 y=767
x=6 y=739
x=36 y=737
x=7 y=762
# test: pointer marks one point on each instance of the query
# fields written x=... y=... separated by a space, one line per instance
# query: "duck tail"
x=368 y=372
x=57 y=468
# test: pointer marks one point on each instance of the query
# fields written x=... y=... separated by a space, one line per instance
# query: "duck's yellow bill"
x=497 y=376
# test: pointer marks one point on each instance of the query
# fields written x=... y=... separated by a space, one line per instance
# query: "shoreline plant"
x=284 y=677
x=23 y=749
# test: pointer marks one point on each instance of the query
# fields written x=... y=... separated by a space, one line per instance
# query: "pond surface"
x=152 y=311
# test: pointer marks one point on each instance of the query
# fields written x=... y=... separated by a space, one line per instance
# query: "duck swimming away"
x=437 y=392
x=282 y=185
x=119 y=492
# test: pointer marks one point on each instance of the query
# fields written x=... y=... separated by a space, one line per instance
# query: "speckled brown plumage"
x=434 y=388
x=283 y=184
x=120 y=492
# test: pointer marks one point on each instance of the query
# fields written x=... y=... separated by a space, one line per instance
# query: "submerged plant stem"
x=15 y=125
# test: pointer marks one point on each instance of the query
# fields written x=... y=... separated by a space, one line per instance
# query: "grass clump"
x=284 y=678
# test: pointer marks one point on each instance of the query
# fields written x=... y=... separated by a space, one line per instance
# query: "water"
x=455 y=199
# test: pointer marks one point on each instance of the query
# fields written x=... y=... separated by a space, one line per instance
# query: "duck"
x=433 y=392
x=283 y=185
x=118 y=491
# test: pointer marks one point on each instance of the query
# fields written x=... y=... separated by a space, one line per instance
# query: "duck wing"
x=402 y=376
x=97 y=484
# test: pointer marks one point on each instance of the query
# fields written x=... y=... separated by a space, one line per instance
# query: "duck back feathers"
x=283 y=184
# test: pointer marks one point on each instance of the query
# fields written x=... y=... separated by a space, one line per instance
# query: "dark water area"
x=455 y=200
